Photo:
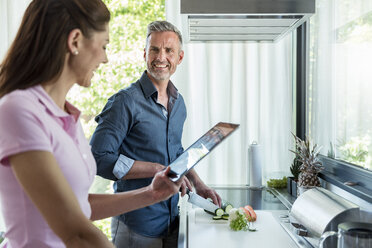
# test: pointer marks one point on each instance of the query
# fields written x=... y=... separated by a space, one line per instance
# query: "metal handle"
x=325 y=236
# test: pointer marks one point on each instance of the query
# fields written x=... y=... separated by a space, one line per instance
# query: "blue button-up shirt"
x=134 y=126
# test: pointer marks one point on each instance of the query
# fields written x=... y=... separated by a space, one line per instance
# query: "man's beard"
x=159 y=75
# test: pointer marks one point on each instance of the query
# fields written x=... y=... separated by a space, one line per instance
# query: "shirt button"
x=85 y=156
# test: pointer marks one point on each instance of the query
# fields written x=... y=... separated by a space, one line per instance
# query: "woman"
x=46 y=167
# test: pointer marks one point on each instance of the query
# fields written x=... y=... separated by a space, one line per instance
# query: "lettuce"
x=238 y=220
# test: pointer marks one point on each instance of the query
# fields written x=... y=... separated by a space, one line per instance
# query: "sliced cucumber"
x=217 y=217
x=225 y=216
x=219 y=212
x=226 y=206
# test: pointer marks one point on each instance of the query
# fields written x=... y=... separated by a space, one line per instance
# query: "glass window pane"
x=340 y=89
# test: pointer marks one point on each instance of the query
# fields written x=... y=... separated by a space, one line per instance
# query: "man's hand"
x=202 y=189
x=207 y=192
x=162 y=187
x=185 y=185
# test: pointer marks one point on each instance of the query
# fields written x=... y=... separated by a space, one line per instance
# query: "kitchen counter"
x=197 y=229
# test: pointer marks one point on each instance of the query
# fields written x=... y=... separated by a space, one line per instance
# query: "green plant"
x=356 y=151
x=311 y=166
x=331 y=151
x=296 y=166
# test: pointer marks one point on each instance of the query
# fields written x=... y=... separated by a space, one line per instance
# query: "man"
x=139 y=132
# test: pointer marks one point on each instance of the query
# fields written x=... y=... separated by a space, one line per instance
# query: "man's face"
x=162 y=54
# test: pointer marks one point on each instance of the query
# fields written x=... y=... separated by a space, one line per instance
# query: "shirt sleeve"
x=21 y=128
x=113 y=125
x=122 y=166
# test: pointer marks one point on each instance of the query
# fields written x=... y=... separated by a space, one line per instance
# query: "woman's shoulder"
x=18 y=100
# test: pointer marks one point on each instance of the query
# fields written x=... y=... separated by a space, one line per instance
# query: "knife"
x=201 y=202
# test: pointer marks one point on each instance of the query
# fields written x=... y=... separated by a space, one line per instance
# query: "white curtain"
x=248 y=83
x=11 y=12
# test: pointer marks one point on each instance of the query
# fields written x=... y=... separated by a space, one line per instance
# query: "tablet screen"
x=192 y=155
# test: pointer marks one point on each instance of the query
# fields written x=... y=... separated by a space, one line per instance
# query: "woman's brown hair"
x=38 y=51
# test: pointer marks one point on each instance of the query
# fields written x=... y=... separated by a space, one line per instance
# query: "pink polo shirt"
x=30 y=120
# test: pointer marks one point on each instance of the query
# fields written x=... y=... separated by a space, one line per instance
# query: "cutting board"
x=206 y=232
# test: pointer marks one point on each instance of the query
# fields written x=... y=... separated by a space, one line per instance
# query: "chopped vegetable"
x=277 y=183
x=225 y=216
x=252 y=213
x=247 y=214
x=238 y=220
x=217 y=212
x=221 y=213
x=226 y=206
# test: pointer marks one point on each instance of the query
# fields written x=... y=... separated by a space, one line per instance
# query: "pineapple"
x=311 y=166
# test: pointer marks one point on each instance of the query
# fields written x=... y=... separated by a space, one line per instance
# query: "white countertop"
x=203 y=231
x=198 y=229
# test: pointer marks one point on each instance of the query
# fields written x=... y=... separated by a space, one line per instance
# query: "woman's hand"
x=162 y=187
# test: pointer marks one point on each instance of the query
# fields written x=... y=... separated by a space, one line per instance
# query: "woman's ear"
x=74 y=41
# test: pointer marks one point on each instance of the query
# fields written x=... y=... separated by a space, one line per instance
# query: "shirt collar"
x=49 y=104
x=149 y=88
x=172 y=90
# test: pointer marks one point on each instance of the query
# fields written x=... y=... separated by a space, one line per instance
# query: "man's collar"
x=149 y=88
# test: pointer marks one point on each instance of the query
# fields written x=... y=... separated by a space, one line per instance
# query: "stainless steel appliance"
x=318 y=210
x=351 y=234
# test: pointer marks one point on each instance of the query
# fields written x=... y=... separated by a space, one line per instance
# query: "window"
x=340 y=80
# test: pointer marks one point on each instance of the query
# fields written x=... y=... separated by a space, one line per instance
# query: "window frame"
x=340 y=173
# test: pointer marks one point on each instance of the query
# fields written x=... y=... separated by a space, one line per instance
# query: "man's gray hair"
x=162 y=26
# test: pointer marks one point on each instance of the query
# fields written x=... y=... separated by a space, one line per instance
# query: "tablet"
x=202 y=147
